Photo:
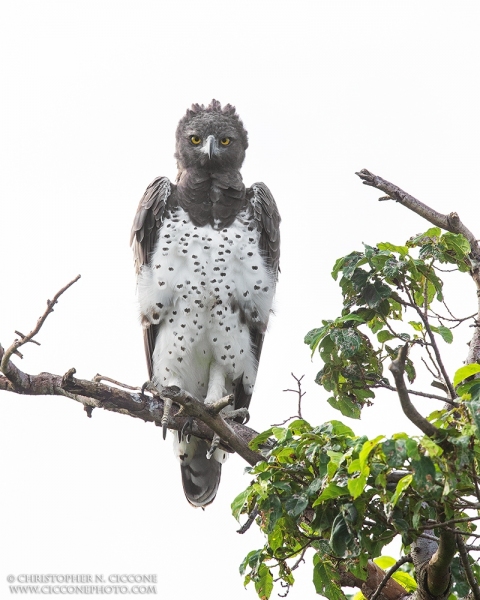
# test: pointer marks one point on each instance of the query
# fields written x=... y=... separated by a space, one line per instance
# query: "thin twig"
x=99 y=378
x=389 y=573
x=414 y=392
x=4 y=365
x=300 y=394
x=466 y=566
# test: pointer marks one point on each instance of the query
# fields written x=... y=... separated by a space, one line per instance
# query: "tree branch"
x=450 y=223
x=466 y=565
x=13 y=348
x=398 y=369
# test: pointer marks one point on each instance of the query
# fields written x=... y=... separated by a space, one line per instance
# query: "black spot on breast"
x=158 y=266
x=184 y=251
x=179 y=286
x=245 y=294
x=254 y=267
x=160 y=283
x=227 y=328
x=194 y=256
x=179 y=359
x=256 y=287
x=265 y=289
x=227 y=347
x=174 y=312
x=249 y=253
x=171 y=269
x=160 y=305
x=187 y=310
x=224 y=357
x=183 y=325
x=155 y=316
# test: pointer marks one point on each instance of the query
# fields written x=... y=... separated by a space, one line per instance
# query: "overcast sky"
x=91 y=95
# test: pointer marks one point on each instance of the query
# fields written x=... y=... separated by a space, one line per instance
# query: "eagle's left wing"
x=146 y=225
x=267 y=219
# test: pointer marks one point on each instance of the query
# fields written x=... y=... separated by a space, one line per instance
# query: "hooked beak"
x=210 y=147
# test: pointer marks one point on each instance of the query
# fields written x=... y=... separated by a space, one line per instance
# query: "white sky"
x=91 y=95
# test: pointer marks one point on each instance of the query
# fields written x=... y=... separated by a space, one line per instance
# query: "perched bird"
x=206 y=255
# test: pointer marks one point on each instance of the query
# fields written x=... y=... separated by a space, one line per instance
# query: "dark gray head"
x=211 y=138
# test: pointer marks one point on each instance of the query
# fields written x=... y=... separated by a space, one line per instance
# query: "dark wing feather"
x=147 y=222
x=267 y=218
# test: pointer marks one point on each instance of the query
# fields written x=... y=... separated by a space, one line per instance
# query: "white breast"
x=196 y=276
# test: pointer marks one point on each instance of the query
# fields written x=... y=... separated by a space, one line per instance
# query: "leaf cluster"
x=344 y=497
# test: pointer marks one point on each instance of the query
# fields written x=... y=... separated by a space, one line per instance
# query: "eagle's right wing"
x=146 y=225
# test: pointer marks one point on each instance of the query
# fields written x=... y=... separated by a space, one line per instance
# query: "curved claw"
x=240 y=412
x=150 y=386
x=213 y=446
x=167 y=405
x=186 y=431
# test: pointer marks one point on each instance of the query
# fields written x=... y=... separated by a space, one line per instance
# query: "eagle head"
x=211 y=138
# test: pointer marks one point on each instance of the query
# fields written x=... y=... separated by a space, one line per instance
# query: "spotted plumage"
x=206 y=254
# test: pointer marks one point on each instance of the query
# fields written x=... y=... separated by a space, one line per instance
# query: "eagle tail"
x=200 y=475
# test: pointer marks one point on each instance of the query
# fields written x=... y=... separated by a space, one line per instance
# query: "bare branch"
x=150 y=409
x=4 y=365
x=449 y=222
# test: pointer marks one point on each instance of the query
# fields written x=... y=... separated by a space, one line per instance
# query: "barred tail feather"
x=200 y=476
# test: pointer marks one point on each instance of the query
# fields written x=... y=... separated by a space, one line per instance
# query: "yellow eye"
x=225 y=141
x=195 y=140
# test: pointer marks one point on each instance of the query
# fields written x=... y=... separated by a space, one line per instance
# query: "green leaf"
x=464 y=372
x=385 y=336
x=458 y=243
x=347 y=407
x=405 y=580
x=240 y=502
x=367 y=447
x=331 y=491
x=474 y=408
x=260 y=439
x=264 y=583
x=402 y=250
x=351 y=317
x=340 y=537
x=275 y=539
x=374 y=293
x=356 y=485
x=423 y=473
x=384 y=562
x=325 y=578
x=347 y=340
x=402 y=485
x=416 y=325
x=445 y=332
x=296 y=505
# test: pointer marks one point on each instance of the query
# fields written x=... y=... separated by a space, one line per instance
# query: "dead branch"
x=13 y=348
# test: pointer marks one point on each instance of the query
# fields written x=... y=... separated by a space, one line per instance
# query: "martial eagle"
x=206 y=255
